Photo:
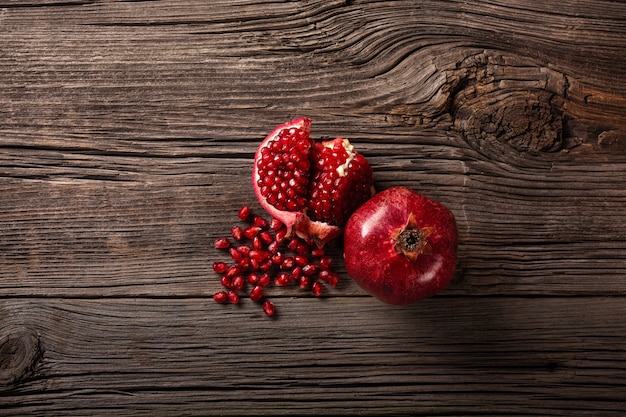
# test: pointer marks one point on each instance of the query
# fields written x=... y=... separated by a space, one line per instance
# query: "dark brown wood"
x=127 y=131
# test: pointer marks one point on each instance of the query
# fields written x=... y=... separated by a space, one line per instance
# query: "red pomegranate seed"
x=305 y=281
x=244 y=249
x=251 y=232
x=309 y=269
x=302 y=249
x=301 y=260
x=237 y=232
x=282 y=279
x=259 y=255
x=253 y=278
x=277 y=258
x=316 y=289
x=280 y=235
x=273 y=247
x=295 y=274
x=293 y=244
x=264 y=280
x=287 y=263
x=275 y=224
x=257 y=243
x=244 y=213
x=220 y=267
x=226 y=282
x=318 y=252
x=325 y=262
x=324 y=275
x=233 y=270
x=222 y=243
x=235 y=254
x=265 y=266
x=221 y=296
x=237 y=282
x=233 y=297
x=268 y=308
x=266 y=237
x=333 y=280
x=260 y=222
x=257 y=293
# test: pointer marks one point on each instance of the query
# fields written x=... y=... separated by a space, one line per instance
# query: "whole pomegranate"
x=311 y=187
x=400 y=246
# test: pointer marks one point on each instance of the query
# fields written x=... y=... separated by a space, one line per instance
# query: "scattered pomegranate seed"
x=244 y=213
x=237 y=232
x=268 y=308
x=222 y=243
x=264 y=255
x=257 y=293
x=233 y=297
x=221 y=296
x=220 y=267
x=317 y=289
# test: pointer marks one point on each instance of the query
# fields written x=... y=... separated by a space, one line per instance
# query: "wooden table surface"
x=127 y=130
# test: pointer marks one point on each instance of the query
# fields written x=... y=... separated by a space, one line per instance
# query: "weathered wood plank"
x=487 y=356
x=126 y=135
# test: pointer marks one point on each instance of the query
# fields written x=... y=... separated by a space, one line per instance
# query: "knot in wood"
x=19 y=353
x=500 y=102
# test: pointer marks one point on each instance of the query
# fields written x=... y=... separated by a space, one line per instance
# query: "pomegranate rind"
x=296 y=222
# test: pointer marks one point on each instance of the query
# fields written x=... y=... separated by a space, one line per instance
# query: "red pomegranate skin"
x=371 y=253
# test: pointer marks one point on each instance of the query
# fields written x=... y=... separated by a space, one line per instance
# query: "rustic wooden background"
x=127 y=130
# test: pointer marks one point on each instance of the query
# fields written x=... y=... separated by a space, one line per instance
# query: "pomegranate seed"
x=302 y=249
x=244 y=213
x=253 y=278
x=305 y=281
x=280 y=236
x=293 y=244
x=295 y=274
x=237 y=232
x=235 y=254
x=325 y=262
x=221 y=296
x=254 y=265
x=318 y=252
x=317 y=289
x=233 y=270
x=309 y=269
x=244 y=263
x=301 y=260
x=266 y=237
x=257 y=293
x=226 y=282
x=287 y=263
x=265 y=266
x=233 y=297
x=268 y=308
x=273 y=247
x=257 y=243
x=237 y=282
x=333 y=280
x=220 y=267
x=275 y=224
x=282 y=280
x=251 y=232
x=244 y=249
x=259 y=255
x=260 y=222
x=222 y=243
x=324 y=275
x=277 y=258
x=264 y=280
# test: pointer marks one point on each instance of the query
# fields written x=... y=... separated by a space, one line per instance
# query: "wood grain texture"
x=126 y=136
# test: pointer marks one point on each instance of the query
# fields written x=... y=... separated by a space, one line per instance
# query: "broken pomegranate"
x=311 y=187
x=400 y=246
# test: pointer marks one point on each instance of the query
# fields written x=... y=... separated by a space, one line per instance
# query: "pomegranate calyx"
x=412 y=241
